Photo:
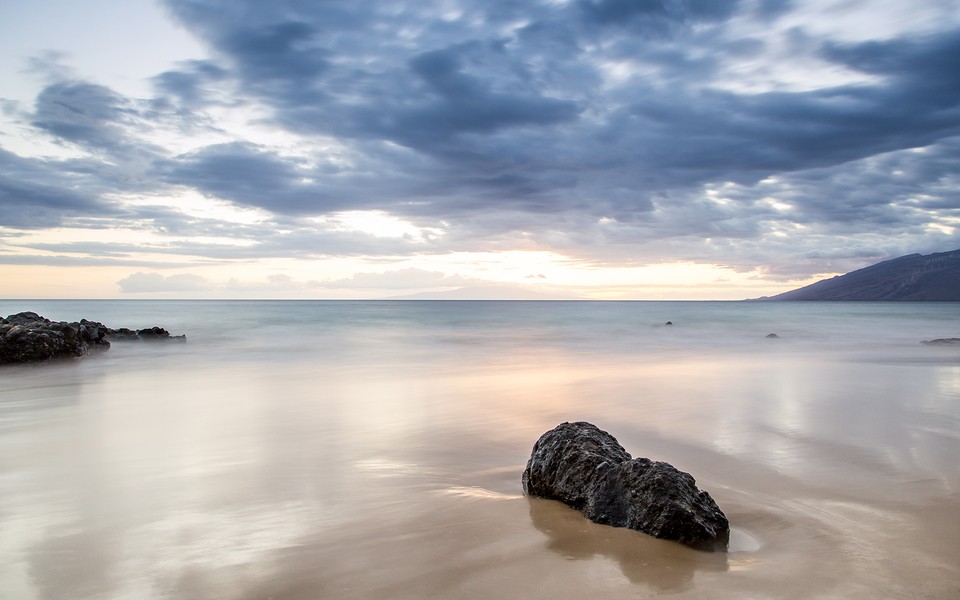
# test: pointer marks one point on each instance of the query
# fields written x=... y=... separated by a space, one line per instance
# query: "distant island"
x=916 y=277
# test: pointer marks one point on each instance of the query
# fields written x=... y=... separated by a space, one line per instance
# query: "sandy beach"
x=161 y=472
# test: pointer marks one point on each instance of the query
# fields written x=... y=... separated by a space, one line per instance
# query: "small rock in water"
x=669 y=323
x=773 y=336
x=149 y=334
x=587 y=469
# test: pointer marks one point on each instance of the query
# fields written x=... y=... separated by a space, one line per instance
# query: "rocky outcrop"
x=587 y=469
x=28 y=337
x=150 y=334
x=942 y=342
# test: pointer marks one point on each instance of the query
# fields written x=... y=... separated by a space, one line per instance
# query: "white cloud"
x=402 y=279
x=140 y=283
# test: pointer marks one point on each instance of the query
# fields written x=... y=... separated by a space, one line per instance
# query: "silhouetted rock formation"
x=934 y=277
x=150 y=334
x=586 y=468
x=942 y=342
x=28 y=337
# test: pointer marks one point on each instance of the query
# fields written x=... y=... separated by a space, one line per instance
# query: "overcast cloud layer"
x=800 y=138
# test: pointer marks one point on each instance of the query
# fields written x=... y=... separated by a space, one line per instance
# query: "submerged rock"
x=587 y=469
x=28 y=337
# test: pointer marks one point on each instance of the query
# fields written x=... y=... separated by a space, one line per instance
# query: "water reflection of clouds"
x=847 y=424
x=269 y=464
x=948 y=381
x=150 y=558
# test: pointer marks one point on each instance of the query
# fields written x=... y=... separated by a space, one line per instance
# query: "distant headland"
x=915 y=277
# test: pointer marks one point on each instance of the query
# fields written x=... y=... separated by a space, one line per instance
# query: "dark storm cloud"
x=249 y=175
x=111 y=129
x=189 y=85
x=351 y=75
x=236 y=171
x=654 y=15
x=500 y=111
x=30 y=205
x=97 y=119
x=36 y=194
x=711 y=134
x=594 y=127
x=931 y=63
x=467 y=104
x=280 y=52
x=82 y=113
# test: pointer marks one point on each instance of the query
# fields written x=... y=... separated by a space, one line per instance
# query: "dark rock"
x=28 y=337
x=587 y=469
x=123 y=334
x=669 y=323
x=24 y=318
x=158 y=333
x=773 y=336
x=942 y=342
x=153 y=333
x=149 y=334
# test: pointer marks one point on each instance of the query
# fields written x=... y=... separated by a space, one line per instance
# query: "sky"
x=596 y=149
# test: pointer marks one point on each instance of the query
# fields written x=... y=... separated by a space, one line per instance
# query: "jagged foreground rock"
x=28 y=337
x=587 y=469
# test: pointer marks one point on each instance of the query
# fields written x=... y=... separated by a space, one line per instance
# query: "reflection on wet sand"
x=381 y=465
x=662 y=565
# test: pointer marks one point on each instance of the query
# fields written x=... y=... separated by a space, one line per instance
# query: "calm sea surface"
x=299 y=450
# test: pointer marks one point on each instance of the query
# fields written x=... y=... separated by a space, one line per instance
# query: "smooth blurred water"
x=592 y=327
x=337 y=449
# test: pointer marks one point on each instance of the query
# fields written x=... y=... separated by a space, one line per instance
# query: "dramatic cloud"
x=782 y=138
x=193 y=84
x=39 y=194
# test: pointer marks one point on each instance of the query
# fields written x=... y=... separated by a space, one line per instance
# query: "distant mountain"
x=934 y=277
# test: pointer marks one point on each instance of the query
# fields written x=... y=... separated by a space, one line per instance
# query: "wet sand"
x=299 y=480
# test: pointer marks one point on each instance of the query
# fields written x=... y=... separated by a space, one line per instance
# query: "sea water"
x=373 y=449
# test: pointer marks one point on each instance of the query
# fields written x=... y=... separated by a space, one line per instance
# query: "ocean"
x=373 y=449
